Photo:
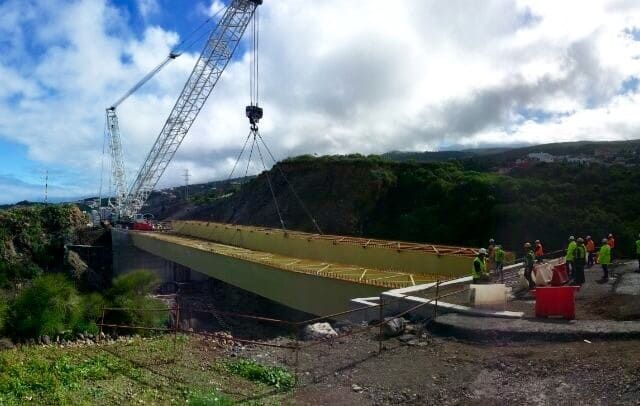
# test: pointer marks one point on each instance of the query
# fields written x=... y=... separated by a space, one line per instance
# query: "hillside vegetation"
x=454 y=202
x=41 y=293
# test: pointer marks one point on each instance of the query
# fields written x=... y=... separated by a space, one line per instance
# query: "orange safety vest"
x=539 y=250
x=591 y=247
x=611 y=242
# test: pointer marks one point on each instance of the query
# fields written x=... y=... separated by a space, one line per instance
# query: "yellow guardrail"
x=415 y=262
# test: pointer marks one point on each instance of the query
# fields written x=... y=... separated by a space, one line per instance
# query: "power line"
x=186 y=176
x=46 y=186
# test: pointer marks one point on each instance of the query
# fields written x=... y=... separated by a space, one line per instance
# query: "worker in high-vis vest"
x=604 y=259
x=612 y=243
x=539 y=251
x=591 y=251
x=638 y=253
x=529 y=259
x=479 y=271
x=498 y=259
x=489 y=259
x=579 y=260
x=569 y=257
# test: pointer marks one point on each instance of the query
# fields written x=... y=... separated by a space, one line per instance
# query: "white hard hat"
x=482 y=251
x=572 y=238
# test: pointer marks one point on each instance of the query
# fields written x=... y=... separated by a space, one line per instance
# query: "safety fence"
x=180 y=318
x=180 y=321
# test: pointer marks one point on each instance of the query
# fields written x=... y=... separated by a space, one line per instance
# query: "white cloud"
x=336 y=77
x=148 y=7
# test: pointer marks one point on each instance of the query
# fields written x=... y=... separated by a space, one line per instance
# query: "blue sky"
x=27 y=174
x=338 y=77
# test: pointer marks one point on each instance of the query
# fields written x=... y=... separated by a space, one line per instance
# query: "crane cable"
x=254 y=93
x=293 y=189
x=173 y=54
x=205 y=22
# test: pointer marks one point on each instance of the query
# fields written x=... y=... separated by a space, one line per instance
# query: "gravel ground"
x=448 y=371
x=421 y=368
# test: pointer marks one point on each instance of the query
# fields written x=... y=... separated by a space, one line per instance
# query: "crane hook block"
x=254 y=113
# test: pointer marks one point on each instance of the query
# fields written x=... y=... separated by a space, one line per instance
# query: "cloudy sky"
x=337 y=76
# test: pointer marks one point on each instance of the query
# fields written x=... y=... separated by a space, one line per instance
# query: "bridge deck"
x=351 y=273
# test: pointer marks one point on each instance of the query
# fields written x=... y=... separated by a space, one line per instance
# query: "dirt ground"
x=429 y=369
x=446 y=371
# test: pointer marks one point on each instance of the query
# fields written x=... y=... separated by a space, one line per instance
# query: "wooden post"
x=176 y=327
x=435 y=308
x=297 y=351
x=380 y=323
x=101 y=324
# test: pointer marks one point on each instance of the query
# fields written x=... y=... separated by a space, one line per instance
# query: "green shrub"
x=49 y=305
x=131 y=292
x=277 y=377
x=92 y=305
x=208 y=399
x=3 y=313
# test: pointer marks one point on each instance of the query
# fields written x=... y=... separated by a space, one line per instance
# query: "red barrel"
x=556 y=301
x=560 y=276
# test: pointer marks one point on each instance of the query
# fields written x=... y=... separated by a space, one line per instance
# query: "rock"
x=356 y=388
x=406 y=337
x=318 y=331
x=102 y=336
x=63 y=342
x=6 y=344
x=46 y=340
x=80 y=336
x=393 y=326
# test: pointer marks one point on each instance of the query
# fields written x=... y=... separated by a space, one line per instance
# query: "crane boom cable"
x=205 y=22
x=104 y=144
x=214 y=58
x=175 y=53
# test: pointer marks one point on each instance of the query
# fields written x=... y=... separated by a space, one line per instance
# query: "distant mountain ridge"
x=578 y=148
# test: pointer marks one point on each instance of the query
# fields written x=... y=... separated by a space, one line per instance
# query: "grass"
x=158 y=370
x=278 y=377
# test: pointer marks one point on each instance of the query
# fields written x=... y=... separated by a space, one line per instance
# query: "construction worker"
x=569 y=257
x=579 y=259
x=604 y=258
x=638 y=253
x=498 y=259
x=591 y=251
x=490 y=253
x=479 y=270
x=529 y=259
x=612 y=243
x=539 y=252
